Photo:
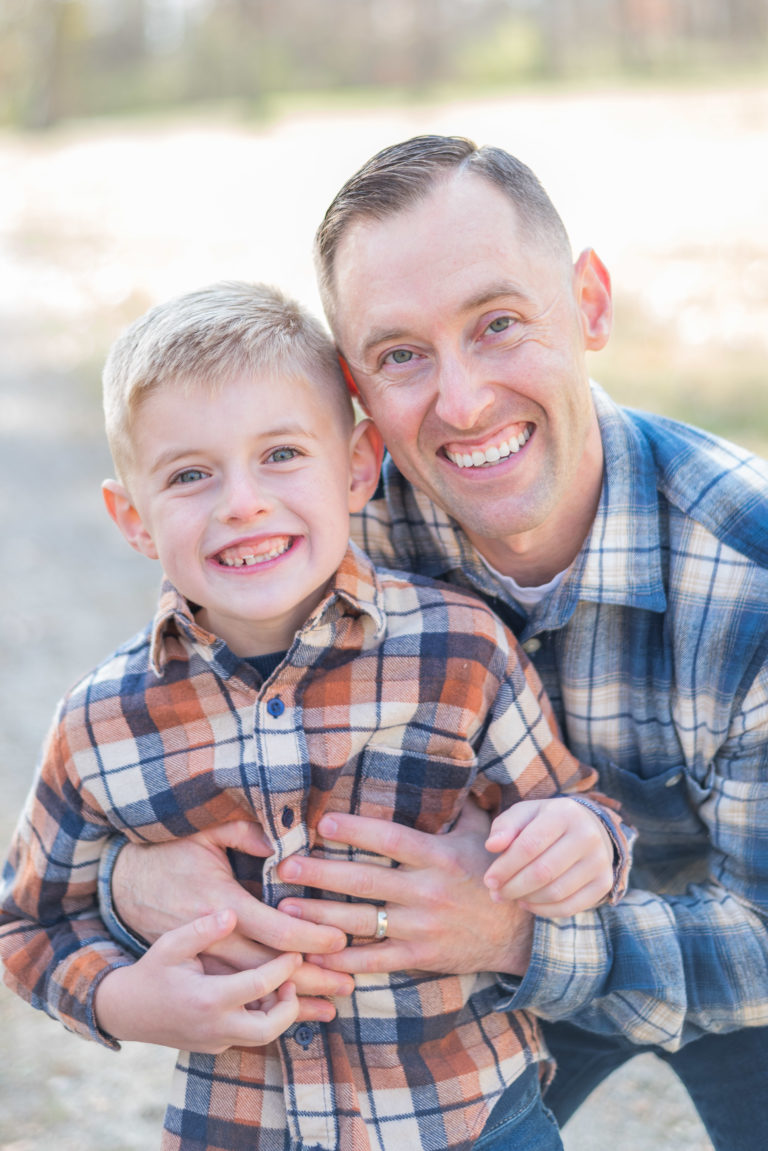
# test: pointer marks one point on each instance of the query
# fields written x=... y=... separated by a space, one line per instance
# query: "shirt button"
x=531 y=646
x=287 y=817
x=304 y=1034
x=276 y=707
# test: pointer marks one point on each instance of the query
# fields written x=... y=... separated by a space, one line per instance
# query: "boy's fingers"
x=244 y=987
x=188 y=941
x=566 y=879
x=508 y=825
x=282 y=933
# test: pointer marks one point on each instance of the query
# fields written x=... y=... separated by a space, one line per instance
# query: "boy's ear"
x=592 y=287
x=366 y=451
x=122 y=510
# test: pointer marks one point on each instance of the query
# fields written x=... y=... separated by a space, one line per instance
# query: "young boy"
x=283 y=678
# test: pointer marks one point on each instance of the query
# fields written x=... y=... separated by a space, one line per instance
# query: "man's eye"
x=500 y=324
x=188 y=476
x=399 y=356
x=280 y=455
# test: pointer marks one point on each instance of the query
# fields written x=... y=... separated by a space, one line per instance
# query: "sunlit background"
x=152 y=146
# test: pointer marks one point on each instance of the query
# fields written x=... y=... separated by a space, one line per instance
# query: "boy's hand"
x=158 y=887
x=166 y=997
x=557 y=857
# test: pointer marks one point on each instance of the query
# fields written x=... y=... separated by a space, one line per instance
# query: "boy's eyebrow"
x=280 y=431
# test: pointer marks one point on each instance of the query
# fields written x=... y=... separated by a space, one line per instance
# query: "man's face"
x=467 y=340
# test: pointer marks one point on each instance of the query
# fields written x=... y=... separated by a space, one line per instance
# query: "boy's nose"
x=243 y=498
x=463 y=392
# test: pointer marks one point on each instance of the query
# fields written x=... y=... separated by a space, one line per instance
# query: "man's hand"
x=440 y=914
x=556 y=857
x=157 y=888
x=167 y=998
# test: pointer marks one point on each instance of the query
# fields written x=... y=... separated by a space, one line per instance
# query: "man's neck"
x=535 y=557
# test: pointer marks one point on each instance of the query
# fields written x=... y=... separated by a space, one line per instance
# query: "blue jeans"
x=726 y=1076
x=520 y=1120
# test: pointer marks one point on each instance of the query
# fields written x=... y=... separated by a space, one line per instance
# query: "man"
x=631 y=556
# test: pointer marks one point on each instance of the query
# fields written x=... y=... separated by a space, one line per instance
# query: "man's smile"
x=476 y=457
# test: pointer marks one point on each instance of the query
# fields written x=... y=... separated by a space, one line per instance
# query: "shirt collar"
x=354 y=590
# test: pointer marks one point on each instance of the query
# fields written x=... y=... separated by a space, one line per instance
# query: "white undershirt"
x=527 y=597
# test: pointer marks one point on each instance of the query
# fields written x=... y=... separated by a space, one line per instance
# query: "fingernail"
x=290 y=869
x=328 y=825
x=291 y=909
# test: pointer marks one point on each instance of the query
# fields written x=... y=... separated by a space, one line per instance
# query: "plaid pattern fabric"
x=654 y=653
x=397 y=699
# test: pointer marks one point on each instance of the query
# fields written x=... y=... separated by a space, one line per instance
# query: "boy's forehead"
x=284 y=392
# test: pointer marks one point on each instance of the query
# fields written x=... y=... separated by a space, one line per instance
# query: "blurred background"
x=151 y=146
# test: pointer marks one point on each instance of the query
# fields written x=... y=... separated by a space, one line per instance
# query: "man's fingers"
x=374 y=958
x=382 y=837
x=351 y=918
x=240 y=835
x=363 y=881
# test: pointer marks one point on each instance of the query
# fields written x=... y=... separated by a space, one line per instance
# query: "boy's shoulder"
x=120 y=673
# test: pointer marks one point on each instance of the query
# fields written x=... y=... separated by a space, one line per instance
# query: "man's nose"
x=463 y=391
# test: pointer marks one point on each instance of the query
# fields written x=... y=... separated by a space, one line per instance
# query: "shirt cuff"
x=566 y=971
x=120 y=932
x=622 y=837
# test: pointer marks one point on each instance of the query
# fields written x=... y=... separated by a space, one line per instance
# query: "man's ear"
x=122 y=510
x=592 y=290
x=366 y=451
x=351 y=382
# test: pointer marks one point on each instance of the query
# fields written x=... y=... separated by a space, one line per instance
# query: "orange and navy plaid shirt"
x=397 y=699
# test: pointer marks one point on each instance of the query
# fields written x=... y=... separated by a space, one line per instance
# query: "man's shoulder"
x=708 y=479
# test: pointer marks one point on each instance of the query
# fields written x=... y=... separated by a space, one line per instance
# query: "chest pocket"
x=416 y=790
x=672 y=840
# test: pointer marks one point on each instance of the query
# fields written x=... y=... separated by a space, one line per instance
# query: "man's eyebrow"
x=501 y=289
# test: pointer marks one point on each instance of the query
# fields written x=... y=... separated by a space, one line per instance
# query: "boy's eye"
x=280 y=455
x=500 y=324
x=189 y=476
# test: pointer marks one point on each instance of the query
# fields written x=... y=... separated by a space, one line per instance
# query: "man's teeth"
x=234 y=559
x=492 y=455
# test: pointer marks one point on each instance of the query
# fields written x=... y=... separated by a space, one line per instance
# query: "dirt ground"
x=97 y=223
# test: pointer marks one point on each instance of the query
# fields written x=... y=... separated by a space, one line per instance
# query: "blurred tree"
x=62 y=58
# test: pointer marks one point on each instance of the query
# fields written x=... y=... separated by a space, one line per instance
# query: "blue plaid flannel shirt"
x=654 y=652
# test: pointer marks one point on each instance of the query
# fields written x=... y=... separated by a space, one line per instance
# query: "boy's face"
x=244 y=495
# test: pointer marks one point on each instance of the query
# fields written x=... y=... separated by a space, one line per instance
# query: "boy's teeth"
x=492 y=455
x=237 y=558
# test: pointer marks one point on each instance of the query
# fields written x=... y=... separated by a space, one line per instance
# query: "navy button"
x=304 y=1034
x=276 y=707
x=287 y=817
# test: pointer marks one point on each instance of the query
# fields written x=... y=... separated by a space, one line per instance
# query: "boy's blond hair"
x=207 y=337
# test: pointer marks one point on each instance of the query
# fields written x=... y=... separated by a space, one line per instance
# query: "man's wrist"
x=134 y=943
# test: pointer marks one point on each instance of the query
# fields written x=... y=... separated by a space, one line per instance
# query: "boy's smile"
x=243 y=492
